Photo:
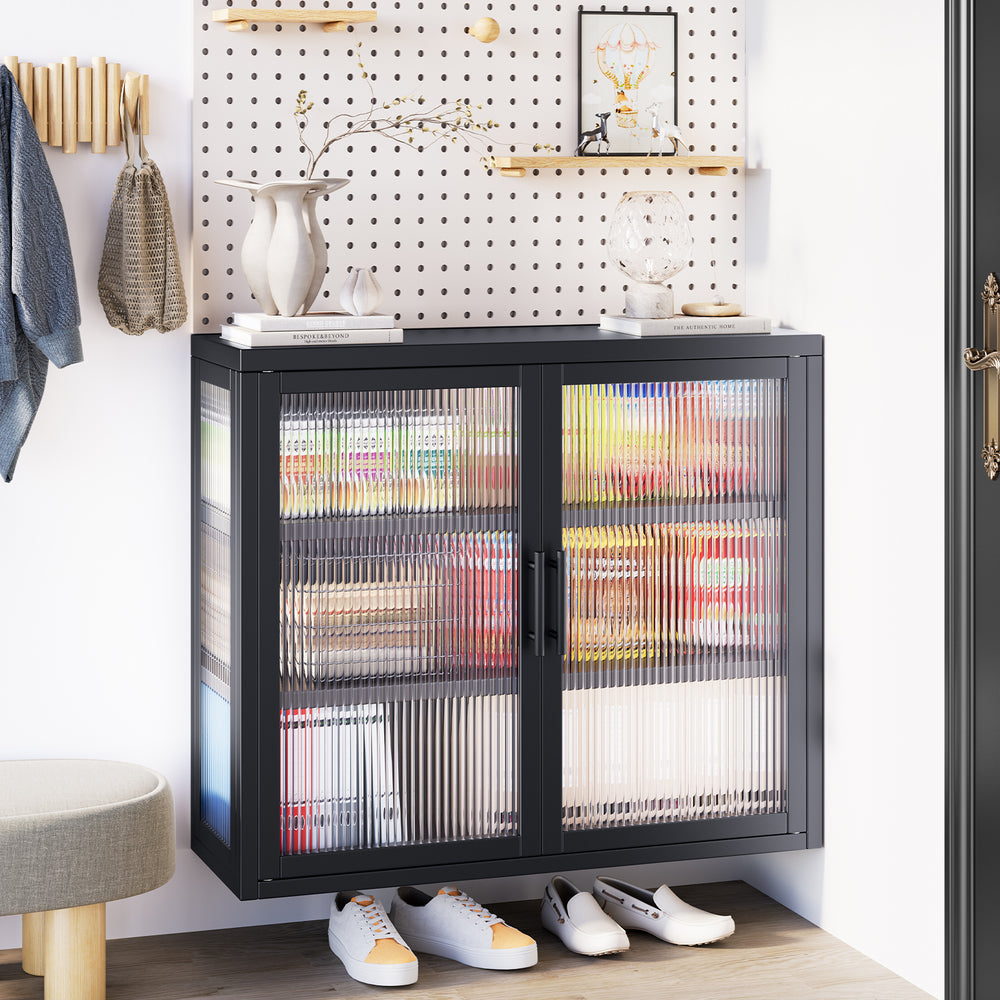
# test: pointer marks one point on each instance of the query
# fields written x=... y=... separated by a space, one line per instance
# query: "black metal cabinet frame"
x=539 y=361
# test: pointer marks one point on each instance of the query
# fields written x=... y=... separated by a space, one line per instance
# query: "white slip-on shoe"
x=577 y=919
x=453 y=925
x=660 y=913
x=363 y=938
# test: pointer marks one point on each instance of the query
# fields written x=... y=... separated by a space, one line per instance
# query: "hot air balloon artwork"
x=627 y=60
x=625 y=55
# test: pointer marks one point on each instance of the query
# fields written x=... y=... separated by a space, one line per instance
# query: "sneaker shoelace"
x=470 y=904
x=377 y=920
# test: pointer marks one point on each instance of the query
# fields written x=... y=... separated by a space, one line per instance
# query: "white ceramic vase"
x=284 y=253
x=361 y=294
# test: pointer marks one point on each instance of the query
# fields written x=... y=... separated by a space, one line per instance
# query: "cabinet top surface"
x=521 y=345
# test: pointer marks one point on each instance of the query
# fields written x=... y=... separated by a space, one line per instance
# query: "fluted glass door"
x=215 y=653
x=399 y=661
x=674 y=677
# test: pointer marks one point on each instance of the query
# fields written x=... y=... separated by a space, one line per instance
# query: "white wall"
x=846 y=202
x=845 y=238
x=94 y=592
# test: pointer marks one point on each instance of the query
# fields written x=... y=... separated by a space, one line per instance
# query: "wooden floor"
x=774 y=955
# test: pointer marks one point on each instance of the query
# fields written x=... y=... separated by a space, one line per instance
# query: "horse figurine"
x=663 y=130
x=600 y=134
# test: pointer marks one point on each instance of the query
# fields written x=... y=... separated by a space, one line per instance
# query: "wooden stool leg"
x=33 y=943
x=74 y=953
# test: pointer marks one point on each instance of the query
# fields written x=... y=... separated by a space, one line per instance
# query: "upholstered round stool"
x=75 y=834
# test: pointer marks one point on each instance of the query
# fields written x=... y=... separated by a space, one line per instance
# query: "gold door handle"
x=977 y=361
x=987 y=359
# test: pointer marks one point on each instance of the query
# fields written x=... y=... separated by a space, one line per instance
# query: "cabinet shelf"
x=214 y=673
x=214 y=518
x=712 y=166
x=346 y=526
x=690 y=668
x=357 y=690
x=240 y=18
x=391 y=525
x=709 y=509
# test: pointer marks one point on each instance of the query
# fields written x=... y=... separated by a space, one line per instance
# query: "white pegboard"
x=453 y=244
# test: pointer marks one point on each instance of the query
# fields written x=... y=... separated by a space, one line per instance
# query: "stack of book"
x=381 y=773
x=671 y=442
x=444 y=608
x=656 y=593
x=261 y=330
x=373 y=452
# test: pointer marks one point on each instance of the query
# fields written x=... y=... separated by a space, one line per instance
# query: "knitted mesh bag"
x=140 y=283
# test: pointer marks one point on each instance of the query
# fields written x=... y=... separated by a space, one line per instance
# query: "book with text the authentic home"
x=639 y=327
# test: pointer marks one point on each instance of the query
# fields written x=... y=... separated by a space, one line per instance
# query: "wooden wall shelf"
x=240 y=18
x=712 y=166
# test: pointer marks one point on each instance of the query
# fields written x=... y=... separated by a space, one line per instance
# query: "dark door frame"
x=959 y=561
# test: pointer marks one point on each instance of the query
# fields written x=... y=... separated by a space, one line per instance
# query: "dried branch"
x=416 y=129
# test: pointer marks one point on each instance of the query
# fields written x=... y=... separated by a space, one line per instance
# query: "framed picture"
x=628 y=75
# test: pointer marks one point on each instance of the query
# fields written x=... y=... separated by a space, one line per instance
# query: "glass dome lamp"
x=650 y=241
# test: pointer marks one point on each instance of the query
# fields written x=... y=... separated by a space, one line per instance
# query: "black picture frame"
x=630 y=127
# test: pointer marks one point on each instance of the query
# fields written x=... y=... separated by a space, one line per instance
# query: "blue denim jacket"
x=39 y=307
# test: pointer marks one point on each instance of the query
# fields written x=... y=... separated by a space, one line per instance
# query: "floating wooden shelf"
x=713 y=166
x=240 y=18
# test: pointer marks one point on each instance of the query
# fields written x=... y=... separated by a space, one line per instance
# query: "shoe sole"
x=478 y=958
x=401 y=974
x=676 y=939
x=699 y=944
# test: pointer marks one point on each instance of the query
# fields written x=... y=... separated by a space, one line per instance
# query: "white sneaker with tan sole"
x=577 y=919
x=662 y=913
x=454 y=925
x=363 y=938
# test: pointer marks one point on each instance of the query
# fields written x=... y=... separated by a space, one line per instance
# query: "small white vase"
x=284 y=252
x=361 y=294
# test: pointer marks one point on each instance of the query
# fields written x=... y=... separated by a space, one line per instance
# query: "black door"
x=677 y=514
x=972 y=501
x=408 y=727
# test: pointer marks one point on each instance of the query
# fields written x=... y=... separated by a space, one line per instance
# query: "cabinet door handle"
x=557 y=564
x=535 y=628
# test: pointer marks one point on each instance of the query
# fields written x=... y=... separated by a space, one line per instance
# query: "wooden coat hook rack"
x=71 y=104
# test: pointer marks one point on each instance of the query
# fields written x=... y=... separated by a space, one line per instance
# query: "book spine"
x=734 y=324
x=720 y=326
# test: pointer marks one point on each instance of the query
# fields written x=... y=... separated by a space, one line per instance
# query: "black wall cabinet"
x=504 y=601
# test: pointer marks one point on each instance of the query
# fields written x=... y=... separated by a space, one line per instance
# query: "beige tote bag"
x=140 y=283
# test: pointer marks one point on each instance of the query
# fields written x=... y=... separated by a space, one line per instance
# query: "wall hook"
x=485 y=29
x=130 y=91
x=71 y=104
